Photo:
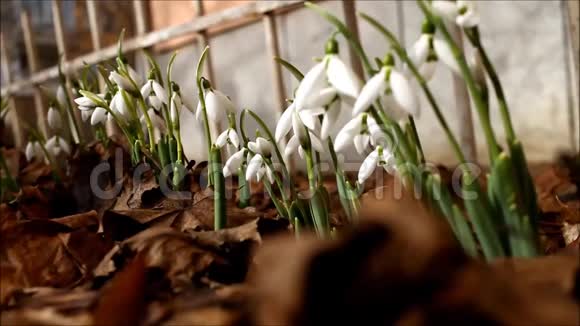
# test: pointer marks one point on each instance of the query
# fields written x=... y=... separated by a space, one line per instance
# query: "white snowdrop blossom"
x=261 y=146
x=423 y=54
x=217 y=106
x=229 y=136
x=154 y=93
x=308 y=118
x=33 y=151
x=54 y=118
x=362 y=131
x=56 y=146
x=378 y=157
x=122 y=81
x=100 y=115
x=388 y=78
x=175 y=108
x=463 y=12
x=234 y=162
x=257 y=168
x=61 y=96
x=302 y=137
x=86 y=114
x=323 y=84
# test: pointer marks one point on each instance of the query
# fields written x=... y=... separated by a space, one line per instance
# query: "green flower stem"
x=278 y=181
x=473 y=36
x=201 y=96
x=422 y=82
x=59 y=175
x=469 y=80
x=310 y=169
x=220 y=219
x=148 y=122
x=71 y=114
x=340 y=182
x=417 y=139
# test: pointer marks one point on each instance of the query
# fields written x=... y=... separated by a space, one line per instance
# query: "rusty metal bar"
x=141 y=29
x=13 y=116
x=350 y=19
x=32 y=59
x=570 y=41
x=63 y=53
x=253 y=9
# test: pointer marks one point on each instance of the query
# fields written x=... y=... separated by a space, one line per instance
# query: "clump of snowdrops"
x=497 y=222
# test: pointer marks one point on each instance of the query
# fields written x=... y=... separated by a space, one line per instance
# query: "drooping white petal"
x=342 y=77
x=61 y=96
x=368 y=166
x=264 y=146
x=85 y=102
x=309 y=118
x=420 y=49
x=329 y=120
x=254 y=166
x=213 y=107
x=155 y=102
x=392 y=108
x=403 y=93
x=361 y=142
x=446 y=9
x=54 y=118
x=292 y=145
x=322 y=98
x=233 y=163
x=427 y=69
x=29 y=151
x=175 y=108
x=86 y=108
x=160 y=92
x=445 y=55
x=233 y=137
x=298 y=128
x=260 y=173
x=270 y=174
x=222 y=139
x=99 y=115
x=316 y=143
x=63 y=145
x=284 y=123
x=343 y=138
x=199 y=111
x=86 y=114
x=192 y=137
x=146 y=89
x=374 y=88
x=311 y=84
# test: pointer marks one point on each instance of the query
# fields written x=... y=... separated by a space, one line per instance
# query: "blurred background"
x=528 y=41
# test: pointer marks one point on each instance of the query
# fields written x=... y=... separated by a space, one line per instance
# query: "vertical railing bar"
x=17 y=131
x=63 y=57
x=350 y=19
x=463 y=109
x=32 y=59
x=401 y=23
x=141 y=28
x=570 y=33
x=273 y=47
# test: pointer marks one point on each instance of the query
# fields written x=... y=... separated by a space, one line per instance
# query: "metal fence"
x=255 y=11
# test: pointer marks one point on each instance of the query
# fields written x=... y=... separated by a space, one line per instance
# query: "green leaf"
x=290 y=67
x=319 y=211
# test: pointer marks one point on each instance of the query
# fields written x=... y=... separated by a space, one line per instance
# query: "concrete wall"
x=523 y=38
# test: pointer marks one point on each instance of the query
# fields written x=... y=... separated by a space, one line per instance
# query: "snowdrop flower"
x=85 y=103
x=308 y=118
x=175 y=108
x=122 y=81
x=399 y=85
x=33 y=150
x=463 y=12
x=331 y=72
x=361 y=131
x=257 y=168
x=100 y=115
x=56 y=145
x=119 y=105
x=423 y=53
x=54 y=119
x=61 y=96
x=154 y=93
x=234 y=162
x=261 y=146
x=86 y=114
x=229 y=136
x=302 y=138
x=217 y=104
x=378 y=157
